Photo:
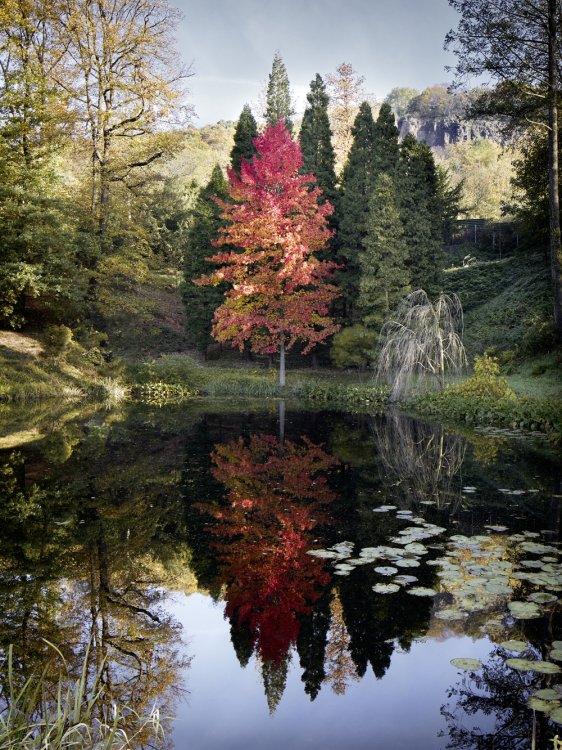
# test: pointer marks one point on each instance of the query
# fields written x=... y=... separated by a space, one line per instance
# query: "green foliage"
x=386 y=147
x=420 y=211
x=160 y=393
x=244 y=135
x=278 y=97
x=374 y=397
x=57 y=340
x=486 y=382
x=316 y=140
x=522 y=413
x=385 y=279
x=356 y=187
x=33 y=720
x=202 y=301
x=400 y=98
x=353 y=347
x=202 y=149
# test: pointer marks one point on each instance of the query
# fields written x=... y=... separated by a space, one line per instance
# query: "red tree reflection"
x=275 y=498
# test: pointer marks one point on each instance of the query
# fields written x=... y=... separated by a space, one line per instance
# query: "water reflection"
x=101 y=518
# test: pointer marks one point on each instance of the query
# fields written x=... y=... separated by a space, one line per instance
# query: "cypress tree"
x=386 y=141
x=384 y=275
x=202 y=301
x=246 y=131
x=278 y=97
x=417 y=190
x=357 y=185
x=316 y=140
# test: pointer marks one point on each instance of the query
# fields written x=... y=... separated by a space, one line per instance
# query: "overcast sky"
x=231 y=45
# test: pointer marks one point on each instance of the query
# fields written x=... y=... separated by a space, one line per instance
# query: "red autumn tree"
x=275 y=502
x=279 y=290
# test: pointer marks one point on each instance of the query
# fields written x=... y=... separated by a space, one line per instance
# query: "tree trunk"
x=554 y=198
x=282 y=365
x=281 y=422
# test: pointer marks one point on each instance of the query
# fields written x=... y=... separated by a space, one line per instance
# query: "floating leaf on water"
x=386 y=588
x=556 y=644
x=542 y=597
x=422 y=591
x=341 y=572
x=415 y=548
x=384 y=508
x=498 y=588
x=405 y=580
x=517 y=646
x=547 y=694
x=428 y=502
x=549 y=559
x=537 y=548
x=530 y=665
x=524 y=610
x=540 y=704
x=497 y=529
x=556 y=715
x=466 y=663
x=386 y=570
x=531 y=534
x=451 y=614
x=408 y=562
x=322 y=553
x=556 y=654
x=532 y=563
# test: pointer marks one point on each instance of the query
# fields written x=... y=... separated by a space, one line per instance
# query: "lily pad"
x=542 y=597
x=556 y=715
x=386 y=588
x=530 y=665
x=466 y=663
x=524 y=610
x=405 y=580
x=517 y=646
x=540 y=704
x=407 y=562
x=556 y=654
x=386 y=570
x=547 y=694
x=422 y=591
x=556 y=644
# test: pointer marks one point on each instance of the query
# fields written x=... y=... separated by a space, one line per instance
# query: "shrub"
x=57 y=340
x=486 y=381
x=353 y=347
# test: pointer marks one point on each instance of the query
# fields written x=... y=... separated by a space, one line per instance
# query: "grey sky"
x=231 y=45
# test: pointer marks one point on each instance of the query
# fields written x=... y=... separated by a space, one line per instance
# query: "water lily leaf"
x=405 y=580
x=384 y=508
x=386 y=588
x=547 y=694
x=537 y=548
x=517 y=646
x=341 y=572
x=532 y=563
x=556 y=644
x=539 y=704
x=422 y=591
x=322 y=553
x=556 y=654
x=386 y=570
x=407 y=562
x=524 y=610
x=416 y=549
x=530 y=665
x=466 y=663
x=556 y=715
x=542 y=597
x=498 y=588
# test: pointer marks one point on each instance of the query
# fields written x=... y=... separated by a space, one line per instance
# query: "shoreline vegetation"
x=529 y=401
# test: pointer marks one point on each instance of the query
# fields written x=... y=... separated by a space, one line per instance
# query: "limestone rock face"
x=438 y=132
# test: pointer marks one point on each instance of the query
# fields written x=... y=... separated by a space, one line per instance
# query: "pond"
x=312 y=580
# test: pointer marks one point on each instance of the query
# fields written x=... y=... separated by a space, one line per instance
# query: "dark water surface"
x=177 y=543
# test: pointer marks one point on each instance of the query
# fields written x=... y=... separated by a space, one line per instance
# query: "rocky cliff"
x=438 y=132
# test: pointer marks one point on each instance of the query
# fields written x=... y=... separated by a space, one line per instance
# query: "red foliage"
x=279 y=289
x=275 y=500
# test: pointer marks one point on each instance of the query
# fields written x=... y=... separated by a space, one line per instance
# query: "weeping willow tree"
x=422 y=339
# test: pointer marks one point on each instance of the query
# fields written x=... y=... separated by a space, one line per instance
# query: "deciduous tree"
x=279 y=290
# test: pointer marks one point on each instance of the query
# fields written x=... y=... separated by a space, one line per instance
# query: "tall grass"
x=34 y=715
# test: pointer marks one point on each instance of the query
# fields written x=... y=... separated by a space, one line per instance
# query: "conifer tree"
x=316 y=140
x=384 y=275
x=357 y=185
x=386 y=141
x=417 y=192
x=246 y=131
x=278 y=98
x=201 y=301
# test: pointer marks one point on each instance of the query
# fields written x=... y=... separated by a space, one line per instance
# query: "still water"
x=304 y=582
